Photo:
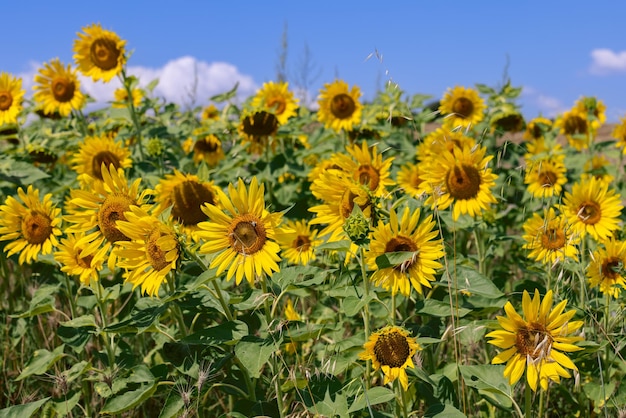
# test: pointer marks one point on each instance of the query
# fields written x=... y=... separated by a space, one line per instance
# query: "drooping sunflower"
x=462 y=107
x=205 y=147
x=95 y=209
x=276 y=98
x=32 y=225
x=593 y=208
x=545 y=178
x=57 y=88
x=299 y=245
x=257 y=129
x=185 y=194
x=243 y=234
x=99 y=53
x=549 y=238
x=339 y=106
x=81 y=259
x=121 y=97
x=606 y=269
x=537 y=128
x=11 y=97
x=460 y=178
x=619 y=133
x=575 y=126
x=411 y=236
x=391 y=350
x=594 y=109
x=151 y=252
x=366 y=166
x=95 y=151
x=537 y=341
x=507 y=121
x=409 y=179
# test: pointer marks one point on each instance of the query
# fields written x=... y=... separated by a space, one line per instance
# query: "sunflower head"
x=607 y=269
x=339 y=106
x=256 y=128
x=537 y=128
x=121 y=97
x=391 y=350
x=11 y=97
x=462 y=107
x=57 y=89
x=98 y=151
x=276 y=98
x=99 y=53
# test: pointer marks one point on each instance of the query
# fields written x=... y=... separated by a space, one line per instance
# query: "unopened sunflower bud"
x=155 y=147
x=357 y=226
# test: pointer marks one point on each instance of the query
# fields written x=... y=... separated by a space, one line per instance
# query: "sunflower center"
x=368 y=176
x=347 y=203
x=63 y=89
x=302 y=243
x=533 y=341
x=392 y=349
x=547 y=179
x=260 y=124
x=104 y=53
x=247 y=234
x=103 y=157
x=84 y=262
x=205 y=146
x=154 y=253
x=188 y=198
x=6 y=100
x=612 y=268
x=553 y=239
x=575 y=125
x=589 y=213
x=463 y=107
x=36 y=227
x=112 y=210
x=277 y=104
x=402 y=244
x=463 y=182
x=342 y=106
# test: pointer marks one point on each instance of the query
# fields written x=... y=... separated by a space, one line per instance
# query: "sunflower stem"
x=69 y=296
x=607 y=353
x=541 y=403
x=480 y=251
x=216 y=287
x=82 y=122
x=527 y=401
x=105 y=336
x=366 y=312
x=133 y=112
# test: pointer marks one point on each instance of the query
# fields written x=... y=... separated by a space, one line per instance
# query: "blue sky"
x=557 y=51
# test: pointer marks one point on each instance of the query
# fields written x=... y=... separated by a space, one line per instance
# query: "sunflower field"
x=404 y=257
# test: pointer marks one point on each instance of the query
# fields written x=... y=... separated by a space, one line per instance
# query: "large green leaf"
x=42 y=361
x=219 y=334
x=443 y=411
x=254 y=352
x=43 y=301
x=129 y=400
x=439 y=308
x=77 y=332
x=476 y=290
x=23 y=411
x=141 y=319
x=490 y=382
x=373 y=396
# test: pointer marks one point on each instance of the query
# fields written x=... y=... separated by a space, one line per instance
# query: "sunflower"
x=210 y=113
x=606 y=269
x=99 y=53
x=619 y=133
x=11 y=96
x=507 y=121
x=32 y=225
x=391 y=350
x=537 y=128
x=121 y=97
x=243 y=235
x=185 y=194
x=460 y=177
x=256 y=128
x=95 y=209
x=366 y=166
x=593 y=108
x=276 y=98
x=299 y=246
x=58 y=89
x=205 y=147
x=291 y=315
x=339 y=106
x=462 y=107
x=592 y=208
x=574 y=125
x=95 y=151
x=150 y=254
x=597 y=167
x=536 y=341
x=407 y=235
x=549 y=238
x=409 y=179
x=78 y=258
x=545 y=178
x=441 y=140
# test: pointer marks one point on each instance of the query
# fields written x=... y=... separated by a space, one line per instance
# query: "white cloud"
x=176 y=81
x=546 y=105
x=605 y=61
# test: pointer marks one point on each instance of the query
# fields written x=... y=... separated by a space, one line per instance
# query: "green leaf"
x=219 y=334
x=140 y=319
x=225 y=96
x=254 y=352
x=443 y=411
x=330 y=407
x=477 y=290
x=42 y=361
x=129 y=400
x=23 y=411
x=439 y=308
x=343 y=245
x=298 y=276
x=490 y=382
x=20 y=172
x=121 y=114
x=373 y=396
x=352 y=305
x=390 y=260
x=43 y=301
x=65 y=405
x=77 y=332
x=173 y=404
x=599 y=394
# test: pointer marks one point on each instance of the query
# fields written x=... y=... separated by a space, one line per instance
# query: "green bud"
x=357 y=226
